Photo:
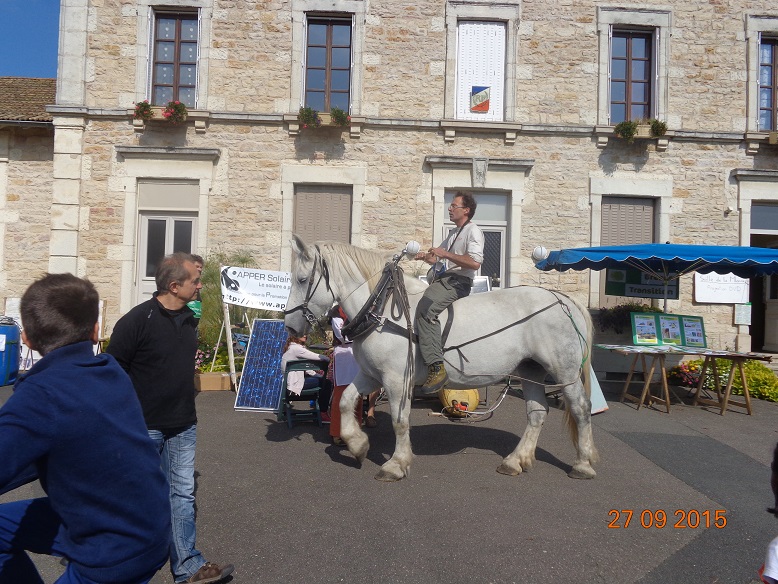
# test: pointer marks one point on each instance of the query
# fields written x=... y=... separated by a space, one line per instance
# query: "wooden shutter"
x=625 y=220
x=322 y=212
x=480 y=62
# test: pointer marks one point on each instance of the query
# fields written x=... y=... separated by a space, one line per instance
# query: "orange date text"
x=659 y=518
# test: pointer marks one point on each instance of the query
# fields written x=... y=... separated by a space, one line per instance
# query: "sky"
x=29 y=32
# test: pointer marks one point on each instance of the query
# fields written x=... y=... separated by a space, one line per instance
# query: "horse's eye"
x=302 y=279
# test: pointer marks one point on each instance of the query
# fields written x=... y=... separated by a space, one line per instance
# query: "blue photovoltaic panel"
x=260 y=382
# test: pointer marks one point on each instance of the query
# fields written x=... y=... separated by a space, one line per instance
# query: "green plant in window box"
x=175 y=112
x=627 y=130
x=143 y=111
x=617 y=317
x=308 y=117
x=658 y=128
x=339 y=117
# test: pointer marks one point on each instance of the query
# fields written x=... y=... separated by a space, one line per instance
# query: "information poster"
x=650 y=328
x=644 y=329
x=670 y=327
x=635 y=283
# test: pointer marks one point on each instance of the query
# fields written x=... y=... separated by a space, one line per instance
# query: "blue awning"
x=667 y=261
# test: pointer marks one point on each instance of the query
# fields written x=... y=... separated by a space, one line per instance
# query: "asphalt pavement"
x=286 y=506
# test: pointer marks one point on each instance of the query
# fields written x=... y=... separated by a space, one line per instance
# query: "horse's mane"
x=368 y=263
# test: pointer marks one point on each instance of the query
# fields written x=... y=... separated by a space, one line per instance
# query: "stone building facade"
x=242 y=173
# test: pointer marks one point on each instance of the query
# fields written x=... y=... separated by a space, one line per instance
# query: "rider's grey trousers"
x=438 y=296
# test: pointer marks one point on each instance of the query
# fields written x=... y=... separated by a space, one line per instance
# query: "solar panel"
x=260 y=383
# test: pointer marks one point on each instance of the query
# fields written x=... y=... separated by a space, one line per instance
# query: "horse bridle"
x=324 y=275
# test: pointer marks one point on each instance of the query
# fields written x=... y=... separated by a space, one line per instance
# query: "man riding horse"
x=455 y=262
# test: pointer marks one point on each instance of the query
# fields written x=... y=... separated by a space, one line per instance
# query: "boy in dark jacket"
x=76 y=418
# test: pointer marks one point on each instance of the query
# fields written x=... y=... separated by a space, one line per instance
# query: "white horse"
x=526 y=331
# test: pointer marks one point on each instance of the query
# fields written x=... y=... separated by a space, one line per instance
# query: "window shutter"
x=322 y=212
x=480 y=62
x=610 y=60
x=655 y=66
x=151 y=18
x=303 y=60
x=197 y=66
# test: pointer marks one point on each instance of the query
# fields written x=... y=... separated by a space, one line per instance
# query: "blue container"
x=11 y=354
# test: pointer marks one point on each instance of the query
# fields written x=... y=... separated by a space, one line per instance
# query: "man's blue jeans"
x=177 y=448
x=32 y=525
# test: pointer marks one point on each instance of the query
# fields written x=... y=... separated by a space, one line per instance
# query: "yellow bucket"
x=461 y=396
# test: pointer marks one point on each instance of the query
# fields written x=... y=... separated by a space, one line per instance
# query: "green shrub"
x=212 y=318
x=617 y=317
x=626 y=130
x=762 y=382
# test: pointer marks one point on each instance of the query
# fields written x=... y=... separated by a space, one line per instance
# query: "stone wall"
x=247 y=80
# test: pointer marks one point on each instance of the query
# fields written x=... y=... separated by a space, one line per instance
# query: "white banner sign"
x=255 y=288
x=720 y=288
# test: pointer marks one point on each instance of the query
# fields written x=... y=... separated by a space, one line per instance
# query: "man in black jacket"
x=155 y=343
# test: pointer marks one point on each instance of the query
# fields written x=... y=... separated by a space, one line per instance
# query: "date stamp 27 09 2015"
x=659 y=518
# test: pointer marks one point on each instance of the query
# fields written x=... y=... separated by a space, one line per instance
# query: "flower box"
x=644 y=131
x=212 y=381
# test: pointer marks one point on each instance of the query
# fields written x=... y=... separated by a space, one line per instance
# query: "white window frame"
x=496 y=111
x=144 y=283
x=610 y=18
x=506 y=11
x=292 y=174
x=628 y=185
x=147 y=13
x=756 y=26
x=300 y=9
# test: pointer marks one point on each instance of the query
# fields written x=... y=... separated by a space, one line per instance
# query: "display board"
x=635 y=283
x=261 y=381
x=650 y=328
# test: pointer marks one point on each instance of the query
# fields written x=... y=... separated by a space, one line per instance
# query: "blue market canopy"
x=667 y=261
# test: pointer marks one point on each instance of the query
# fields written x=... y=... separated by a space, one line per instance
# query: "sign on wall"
x=263 y=289
x=637 y=284
x=720 y=288
x=479 y=98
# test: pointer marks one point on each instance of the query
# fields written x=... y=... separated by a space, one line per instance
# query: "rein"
x=312 y=319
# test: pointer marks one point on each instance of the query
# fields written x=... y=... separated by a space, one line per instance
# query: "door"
x=161 y=234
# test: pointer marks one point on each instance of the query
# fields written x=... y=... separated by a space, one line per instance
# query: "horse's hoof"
x=388 y=477
x=508 y=470
x=578 y=473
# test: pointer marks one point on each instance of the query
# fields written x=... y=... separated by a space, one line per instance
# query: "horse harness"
x=325 y=275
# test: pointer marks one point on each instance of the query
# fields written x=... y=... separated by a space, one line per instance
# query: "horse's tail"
x=586 y=337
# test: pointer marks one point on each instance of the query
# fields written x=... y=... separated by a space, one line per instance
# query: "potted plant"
x=627 y=130
x=658 y=128
x=175 y=112
x=339 y=117
x=308 y=117
x=143 y=111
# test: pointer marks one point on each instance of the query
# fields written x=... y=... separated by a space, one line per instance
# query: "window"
x=762 y=47
x=174 y=70
x=492 y=217
x=323 y=212
x=481 y=48
x=768 y=96
x=480 y=70
x=631 y=72
x=634 y=55
x=161 y=234
x=625 y=220
x=328 y=64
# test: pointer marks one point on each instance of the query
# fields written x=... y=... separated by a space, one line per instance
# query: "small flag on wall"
x=479 y=99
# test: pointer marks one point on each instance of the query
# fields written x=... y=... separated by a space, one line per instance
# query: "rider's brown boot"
x=436 y=379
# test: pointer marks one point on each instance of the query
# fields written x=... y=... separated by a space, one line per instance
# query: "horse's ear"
x=299 y=247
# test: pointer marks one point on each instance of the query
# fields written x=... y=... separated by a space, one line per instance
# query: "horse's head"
x=311 y=297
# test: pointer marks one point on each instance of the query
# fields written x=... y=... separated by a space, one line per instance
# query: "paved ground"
x=286 y=506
